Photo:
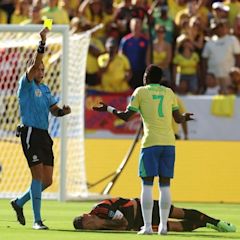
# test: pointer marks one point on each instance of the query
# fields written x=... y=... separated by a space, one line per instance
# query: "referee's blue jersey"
x=35 y=102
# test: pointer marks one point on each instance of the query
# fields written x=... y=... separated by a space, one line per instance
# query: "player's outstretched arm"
x=180 y=118
x=37 y=60
x=124 y=115
x=115 y=224
x=59 y=112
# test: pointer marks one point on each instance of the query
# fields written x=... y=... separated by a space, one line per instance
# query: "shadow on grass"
x=93 y=231
x=205 y=235
x=183 y=234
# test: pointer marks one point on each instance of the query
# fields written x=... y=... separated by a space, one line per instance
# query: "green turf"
x=59 y=219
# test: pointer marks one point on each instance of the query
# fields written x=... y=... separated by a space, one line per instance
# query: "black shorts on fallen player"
x=37 y=146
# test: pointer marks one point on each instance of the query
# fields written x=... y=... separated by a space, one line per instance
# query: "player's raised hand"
x=43 y=34
x=66 y=109
x=188 y=116
x=101 y=108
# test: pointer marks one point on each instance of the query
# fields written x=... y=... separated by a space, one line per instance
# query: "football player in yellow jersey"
x=157 y=106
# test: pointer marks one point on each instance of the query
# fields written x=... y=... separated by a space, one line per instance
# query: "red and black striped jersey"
x=107 y=208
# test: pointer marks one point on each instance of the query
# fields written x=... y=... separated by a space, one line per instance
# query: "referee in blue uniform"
x=36 y=102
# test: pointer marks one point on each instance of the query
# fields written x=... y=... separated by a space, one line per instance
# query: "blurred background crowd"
x=195 y=42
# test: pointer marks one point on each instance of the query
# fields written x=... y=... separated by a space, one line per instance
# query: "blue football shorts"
x=157 y=161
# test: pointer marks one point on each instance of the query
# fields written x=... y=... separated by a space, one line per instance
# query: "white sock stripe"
x=28 y=137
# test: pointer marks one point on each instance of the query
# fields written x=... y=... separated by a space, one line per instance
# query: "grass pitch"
x=59 y=218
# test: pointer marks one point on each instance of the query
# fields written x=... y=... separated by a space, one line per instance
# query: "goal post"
x=65 y=64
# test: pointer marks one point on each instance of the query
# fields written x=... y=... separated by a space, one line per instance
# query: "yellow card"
x=48 y=23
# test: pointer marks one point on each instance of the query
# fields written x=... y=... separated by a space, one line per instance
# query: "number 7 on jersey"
x=160 y=105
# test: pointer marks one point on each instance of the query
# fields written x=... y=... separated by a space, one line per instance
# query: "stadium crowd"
x=195 y=42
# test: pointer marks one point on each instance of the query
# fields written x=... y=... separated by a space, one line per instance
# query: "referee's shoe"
x=19 y=212
x=38 y=225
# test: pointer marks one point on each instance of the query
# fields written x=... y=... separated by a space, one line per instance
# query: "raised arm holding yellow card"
x=48 y=23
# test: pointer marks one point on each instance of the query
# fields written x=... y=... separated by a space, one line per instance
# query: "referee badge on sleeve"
x=38 y=93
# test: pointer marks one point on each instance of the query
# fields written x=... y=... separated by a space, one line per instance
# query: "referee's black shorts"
x=37 y=146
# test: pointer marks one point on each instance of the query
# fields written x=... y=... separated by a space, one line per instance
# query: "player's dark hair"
x=153 y=74
x=77 y=222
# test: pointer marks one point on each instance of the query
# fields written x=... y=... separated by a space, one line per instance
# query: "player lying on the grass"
x=126 y=214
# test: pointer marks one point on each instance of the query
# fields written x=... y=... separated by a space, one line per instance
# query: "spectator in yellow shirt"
x=114 y=68
x=93 y=12
x=71 y=6
x=21 y=12
x=96 y=48
x=34 y=16
x=234 y=10
x=194 y=8
x=175 y=6
x=3 y=17
x=162 y=51
x=53 y=11
x=186 y=64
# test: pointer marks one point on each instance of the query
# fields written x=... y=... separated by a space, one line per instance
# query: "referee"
x=36 y=101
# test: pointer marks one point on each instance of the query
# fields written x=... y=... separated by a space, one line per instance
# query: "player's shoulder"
x=168 y=90
x=24 y=81
x=23 y=77
x=169 y=93
x=139 y=90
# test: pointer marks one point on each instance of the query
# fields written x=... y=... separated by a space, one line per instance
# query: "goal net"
x=65 y=61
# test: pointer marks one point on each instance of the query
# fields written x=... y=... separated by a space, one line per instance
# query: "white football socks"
x=164 y=208
x=147 y=205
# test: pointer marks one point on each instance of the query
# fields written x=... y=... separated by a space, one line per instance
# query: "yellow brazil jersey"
x=114 y=79
x=95 y=20
x=234 y=9
x=92 y=64
x=174 y=8
x=73 y=4
x=182 y=109
x=59 y=15
x=3 y=17
x=185 y=65
x=16 y=19
x=159 y=57
x=155 y=103
x=202 y=13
